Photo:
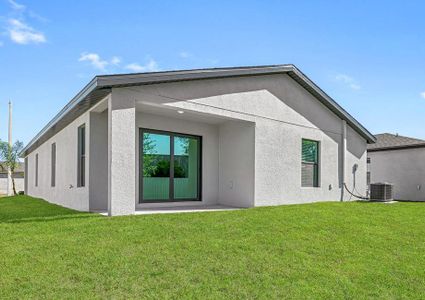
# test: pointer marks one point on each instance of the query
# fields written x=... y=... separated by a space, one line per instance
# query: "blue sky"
x=368 y=55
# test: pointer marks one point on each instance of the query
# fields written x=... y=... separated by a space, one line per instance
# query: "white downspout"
x=343 y=155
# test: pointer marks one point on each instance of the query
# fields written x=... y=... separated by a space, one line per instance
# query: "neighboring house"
x=398 y=160
x=242 y=137
x=18 y=175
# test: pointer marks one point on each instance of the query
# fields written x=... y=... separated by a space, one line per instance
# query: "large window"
x=170 y=166
x=53 y=166
x=36 y=169
x=368 y=173
x=310 y=163
x=26 y=175
x=81 y=180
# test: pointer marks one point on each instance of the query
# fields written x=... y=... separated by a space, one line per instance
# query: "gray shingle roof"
x=388 y=141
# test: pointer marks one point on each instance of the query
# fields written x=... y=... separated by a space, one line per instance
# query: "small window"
x=368 y=160
x=81 y=180
x=53 y=166
x=36 y=169
x=26 y=175
x=310 y=163
x=368 y=178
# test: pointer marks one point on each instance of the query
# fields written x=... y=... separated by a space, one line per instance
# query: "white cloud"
x=18 y=29
x=22 y=33
x=184 y=54
x=135 y=67
x=94 y=60
x=150 y=66
x=114 y=64
x=423 y=95
x=347 y=80
x=115 y=60
x=15 y=5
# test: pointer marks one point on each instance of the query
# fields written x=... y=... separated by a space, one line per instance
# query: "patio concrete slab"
x=181 y=209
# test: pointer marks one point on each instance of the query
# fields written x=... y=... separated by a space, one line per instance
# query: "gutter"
x=393 y=148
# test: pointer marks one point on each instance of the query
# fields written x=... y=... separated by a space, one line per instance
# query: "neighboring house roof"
x=100 y=86
x=388 y=141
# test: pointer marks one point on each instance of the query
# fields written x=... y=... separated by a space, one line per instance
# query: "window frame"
x=53 y=165
x=26 y=175
x=316 y=165
x=81 y=156
x=172 y=135
x=368 y=174
x=36 y=170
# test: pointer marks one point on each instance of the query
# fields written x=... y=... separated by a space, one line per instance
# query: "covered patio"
x=165 y=157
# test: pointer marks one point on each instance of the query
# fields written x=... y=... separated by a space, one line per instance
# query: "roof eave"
x=122 y=80
x=392 y=148
x=90 y=87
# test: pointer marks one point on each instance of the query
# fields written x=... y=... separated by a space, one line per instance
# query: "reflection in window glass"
x=156 y=166
x=310 y=163
x=186 y=167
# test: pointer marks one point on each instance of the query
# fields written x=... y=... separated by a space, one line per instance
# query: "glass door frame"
x=171 y=185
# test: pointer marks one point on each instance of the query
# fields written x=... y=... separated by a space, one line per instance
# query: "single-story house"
x=239 y=137
x=18 y=176
x=399 y=160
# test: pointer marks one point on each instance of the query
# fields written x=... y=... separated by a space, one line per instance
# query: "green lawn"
x=325 y=250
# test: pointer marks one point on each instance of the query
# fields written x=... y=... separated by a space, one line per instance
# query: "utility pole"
x=9 y=172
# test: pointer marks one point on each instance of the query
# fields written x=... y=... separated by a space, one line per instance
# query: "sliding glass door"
x=170 y=166
x=186 y=167
x=156 y=166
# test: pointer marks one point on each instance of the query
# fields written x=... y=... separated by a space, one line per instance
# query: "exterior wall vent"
x=381 y=192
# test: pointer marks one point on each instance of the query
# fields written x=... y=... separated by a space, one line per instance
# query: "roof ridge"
x=159 y=72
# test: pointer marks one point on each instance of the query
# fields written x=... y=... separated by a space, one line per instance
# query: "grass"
x=323 y=250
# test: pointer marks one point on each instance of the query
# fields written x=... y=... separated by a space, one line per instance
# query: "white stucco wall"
x=66 y=192
x=98 y=169
x=122 y=153
x=403 y=168
x=237 y=164
x=251 y=152
x=284 y=113
x=356 y=155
